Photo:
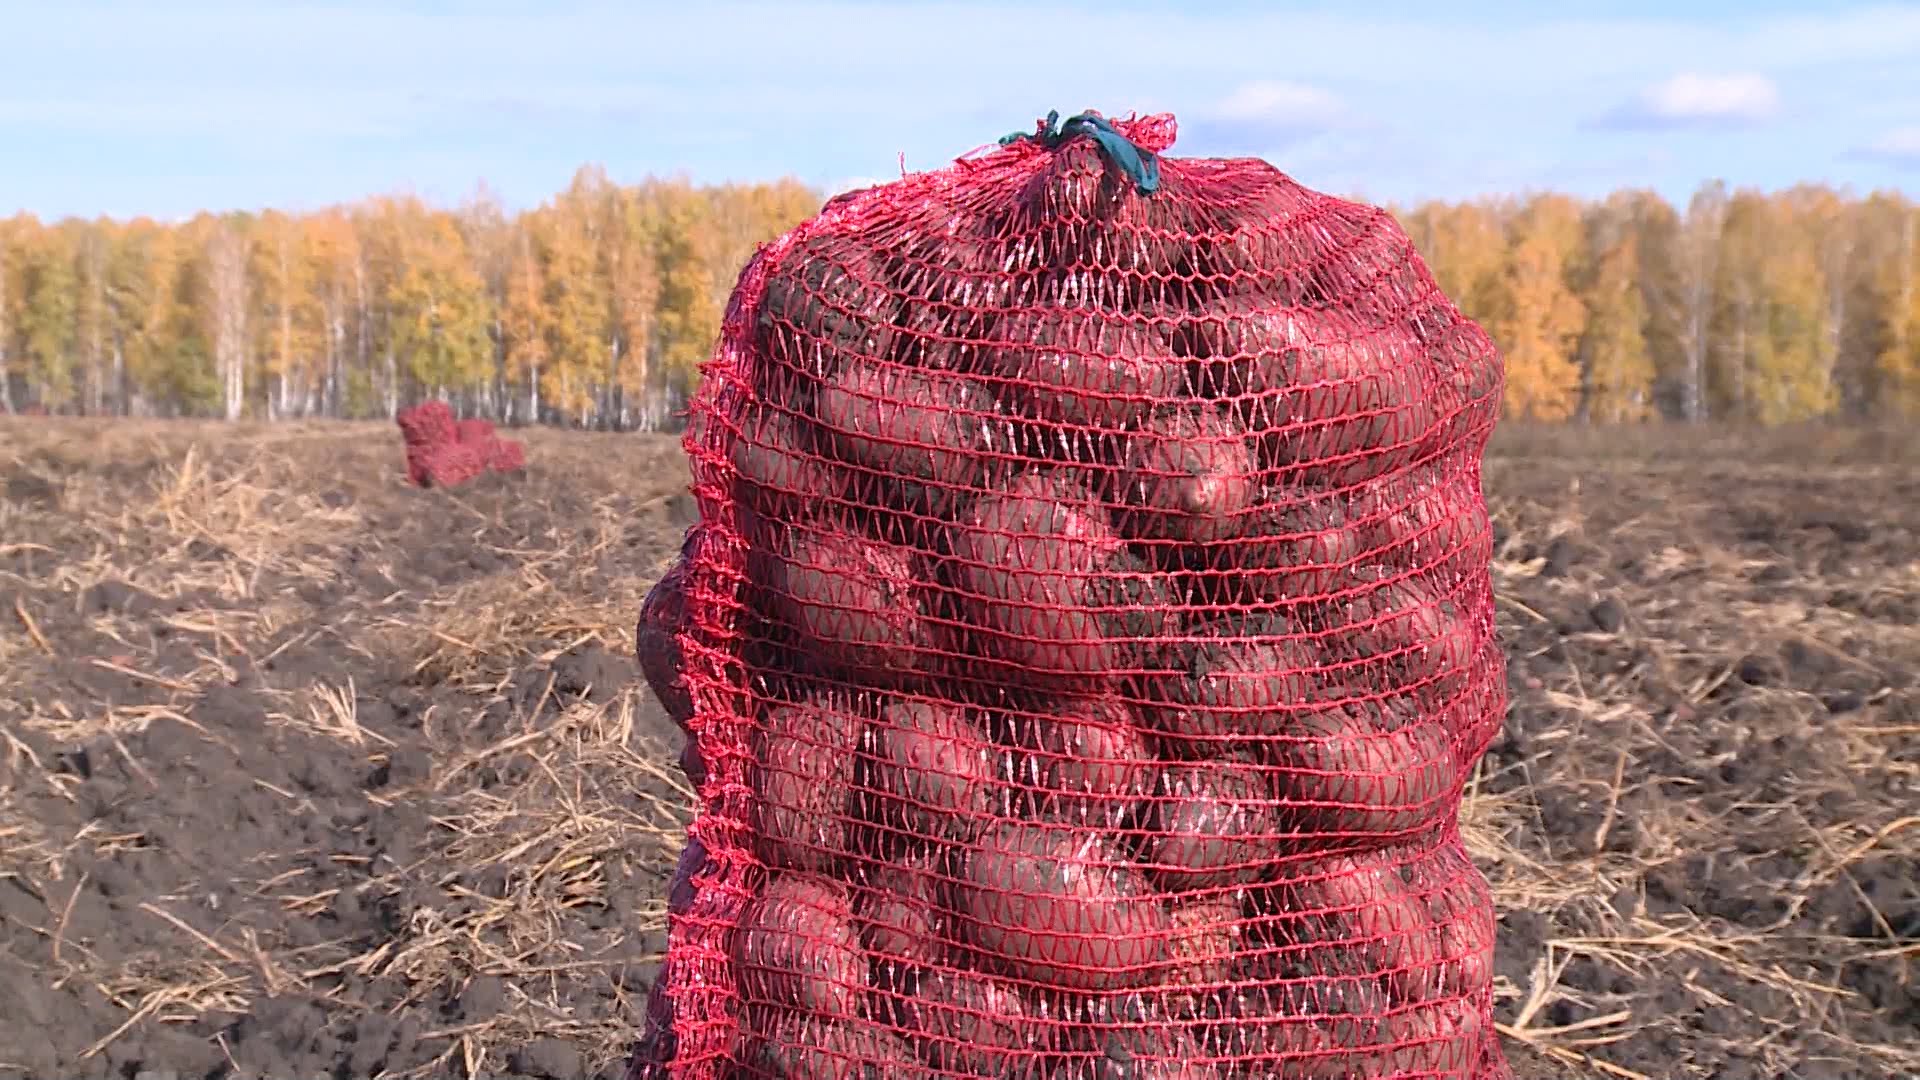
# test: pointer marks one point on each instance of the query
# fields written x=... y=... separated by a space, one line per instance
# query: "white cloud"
x=1901 y=146
x=1264 y=115
x=1286 y=104
x=1695 y=99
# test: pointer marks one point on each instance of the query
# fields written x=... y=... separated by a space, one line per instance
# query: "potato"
x=940 y=336
x=1472 y=378
x=1293 y=1016
x=1213 y=827
x=1208 y=932
x=825 y=303
x=933 y=438
x=1439 y=1038
x=783 y=1044
x=1091 y=759
x=1252 y=236
x=795 y=945
x=1238 y=343
x=968 y=1024
x=1187 y=475
x=1331 y=399
x=1297 y=547
x=779 y=472
x=946 y=260
x=1364 y=906
x=1076 y=185
x=997 y=543
x=1060 y=907
x=803 y=776
x=663 y=616
x=1354 y=408
x=1152 y=1047
x=1430 y=517
x=929 y=771
x=1087 y=218
x=1461 y=907
x=846 y=600
x=1236 y=681
x=902 y=922
x=1084 y=368
x=681 y=890
x=1367 y=264
x=1359 y=768
x=1417 y=637
x=1046 y=591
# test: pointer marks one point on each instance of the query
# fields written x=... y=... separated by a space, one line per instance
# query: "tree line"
x=597 y=307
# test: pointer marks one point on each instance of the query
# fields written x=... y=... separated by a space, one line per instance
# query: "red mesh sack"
x=427 y=424
x=452 y=464
x=473 y=430
x=505 y=455
x=1085 y=638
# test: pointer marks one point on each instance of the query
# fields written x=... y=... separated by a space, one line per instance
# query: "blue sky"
x=164 y=108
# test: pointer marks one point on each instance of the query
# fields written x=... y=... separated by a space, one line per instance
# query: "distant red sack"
x=506 y=455
x=429 y=423
x=417 y=457
x=473 y=430
x=453 y=464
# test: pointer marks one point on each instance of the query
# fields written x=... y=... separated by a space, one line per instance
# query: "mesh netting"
x=1085 y=640
x=442 y=452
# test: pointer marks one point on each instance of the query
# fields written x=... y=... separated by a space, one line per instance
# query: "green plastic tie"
x=1141 y=166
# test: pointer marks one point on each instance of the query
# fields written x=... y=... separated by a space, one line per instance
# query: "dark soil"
x=306 y=772
x=1699 y=822
x=310 y=773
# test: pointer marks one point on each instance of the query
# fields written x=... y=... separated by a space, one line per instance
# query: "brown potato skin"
x=803 y=775
x=1059 y=907
x=796 y=945
x=1209 y=931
